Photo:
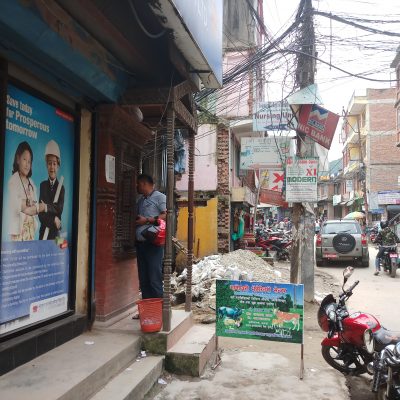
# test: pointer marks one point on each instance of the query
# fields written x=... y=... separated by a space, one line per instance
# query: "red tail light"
x=364 y=241
x=319 y=241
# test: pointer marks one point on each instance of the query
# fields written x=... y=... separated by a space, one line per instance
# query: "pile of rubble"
x=237 y=265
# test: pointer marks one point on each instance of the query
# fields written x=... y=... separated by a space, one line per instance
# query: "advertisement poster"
x=389 y=197
x=268 y=152
x=272 y=115
x=318 y=123
x=301 y=180
x=260 y=310
x=272 y=179
x=37 y=211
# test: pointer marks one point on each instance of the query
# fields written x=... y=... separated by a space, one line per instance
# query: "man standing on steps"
x=150 y=207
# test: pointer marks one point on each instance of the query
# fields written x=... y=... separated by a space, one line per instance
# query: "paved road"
x=377 y=295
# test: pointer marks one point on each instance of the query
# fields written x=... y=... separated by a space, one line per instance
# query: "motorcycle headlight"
x=369 y=341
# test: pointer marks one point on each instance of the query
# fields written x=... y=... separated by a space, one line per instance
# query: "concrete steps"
x=134 y=382
x=80 y=368
x=191 y=353
x=158 y=342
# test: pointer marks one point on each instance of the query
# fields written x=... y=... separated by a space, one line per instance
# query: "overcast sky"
x=348 y=52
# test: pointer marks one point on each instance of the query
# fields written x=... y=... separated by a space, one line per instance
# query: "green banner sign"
x=260 y=310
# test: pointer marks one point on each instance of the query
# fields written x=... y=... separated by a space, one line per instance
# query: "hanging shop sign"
x=37 y=211
x=269 y=152
x=260 y=310
x=272 y=179
x=301 y=180
x=272 y=115
x=336 y=199
x=318 y=123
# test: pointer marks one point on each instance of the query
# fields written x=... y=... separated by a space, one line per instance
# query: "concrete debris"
x=236 y=265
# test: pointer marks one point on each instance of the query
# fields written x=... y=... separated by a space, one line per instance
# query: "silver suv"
x=341 y=240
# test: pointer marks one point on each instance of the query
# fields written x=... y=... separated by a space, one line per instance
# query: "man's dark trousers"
x=149 y=259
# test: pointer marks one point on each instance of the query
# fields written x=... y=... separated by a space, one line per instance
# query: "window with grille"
x=126 y=166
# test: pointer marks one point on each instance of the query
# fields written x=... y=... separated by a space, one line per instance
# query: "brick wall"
x=116 y=280
x=223 y=191
x=382 y=114
x=384 y=163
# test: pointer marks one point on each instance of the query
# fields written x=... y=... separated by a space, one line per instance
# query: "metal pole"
x=189 y=260
x=170 y=219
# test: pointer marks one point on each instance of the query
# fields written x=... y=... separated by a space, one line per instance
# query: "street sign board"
x=318 y=123
x=389 y=197
x=301 y=180
x=272 y=179
x=272 y=115
x=268 y=152
x=260 y=310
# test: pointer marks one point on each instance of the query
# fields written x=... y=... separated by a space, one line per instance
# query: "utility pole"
x=302 y=260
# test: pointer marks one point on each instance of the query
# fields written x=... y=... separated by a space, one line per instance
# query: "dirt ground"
x=258 y=369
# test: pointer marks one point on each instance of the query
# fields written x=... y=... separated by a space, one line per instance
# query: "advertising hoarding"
x=301 y=180
x=389 y=197
x=260 y=310
x=37 y=211
x=272 y=179
x=318 y=123
x=272 y=115
x=268 y=152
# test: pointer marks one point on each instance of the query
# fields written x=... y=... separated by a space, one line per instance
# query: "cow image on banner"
x=318 y=123
x=260 y=310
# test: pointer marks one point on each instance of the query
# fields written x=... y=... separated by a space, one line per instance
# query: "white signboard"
x=337 y=198
x=272 y=116
x=389 y=197
x=268 y=152
x=272 y=179
x=110 y=168
x=301 y=180
x=349 y=185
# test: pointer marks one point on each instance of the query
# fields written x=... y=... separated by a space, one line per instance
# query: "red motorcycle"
x=273 y=243
x=347 y=346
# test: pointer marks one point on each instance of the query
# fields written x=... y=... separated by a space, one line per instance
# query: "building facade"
x=91 y=84
x=371 y=168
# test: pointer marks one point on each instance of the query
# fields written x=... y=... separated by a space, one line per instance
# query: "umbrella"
x=355 y=215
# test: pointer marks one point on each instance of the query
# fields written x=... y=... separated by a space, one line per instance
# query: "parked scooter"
x=350 y=335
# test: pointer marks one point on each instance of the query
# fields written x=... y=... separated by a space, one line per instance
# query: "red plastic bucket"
x=150 y=314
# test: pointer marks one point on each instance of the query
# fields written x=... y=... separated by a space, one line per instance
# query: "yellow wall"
x=205 y=228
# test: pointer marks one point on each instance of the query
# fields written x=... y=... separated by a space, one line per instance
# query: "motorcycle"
x=346 y=347
x=278 y=244
x=389 y=260
x=385 y=369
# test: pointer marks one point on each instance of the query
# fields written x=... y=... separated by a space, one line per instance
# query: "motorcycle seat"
x=383 y=337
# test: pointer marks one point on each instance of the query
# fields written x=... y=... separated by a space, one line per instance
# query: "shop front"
x=83 y=90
